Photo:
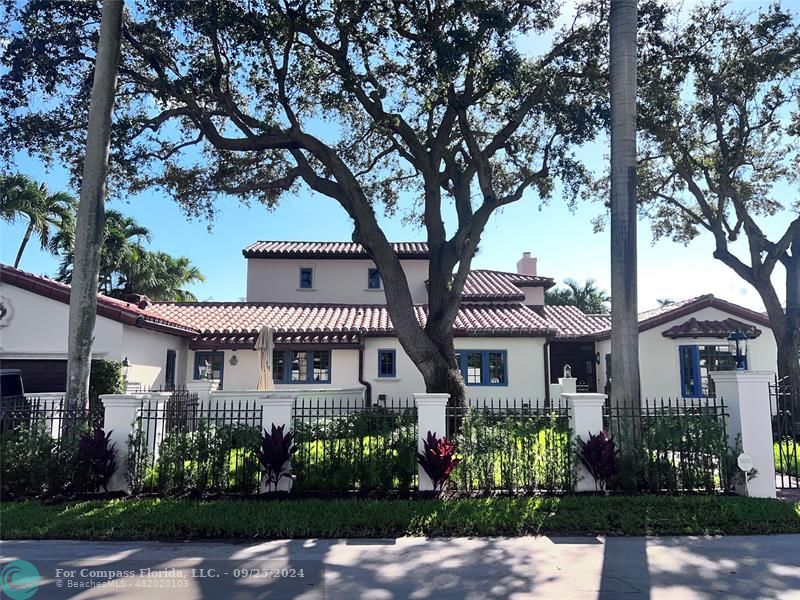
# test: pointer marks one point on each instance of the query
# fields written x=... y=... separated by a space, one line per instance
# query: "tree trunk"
x=624 y=319
x=25 y=238
x=91 y=211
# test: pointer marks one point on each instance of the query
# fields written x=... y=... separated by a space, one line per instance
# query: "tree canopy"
x=365 y=102
x=720 y=120
x=587 y=297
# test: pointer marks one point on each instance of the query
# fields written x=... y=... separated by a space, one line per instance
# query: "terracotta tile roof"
x=269 y=249
x=708 y=328
x=111 y=308
x=246 y=318
x=684 y=308
x=483 y=284
x=571 y=322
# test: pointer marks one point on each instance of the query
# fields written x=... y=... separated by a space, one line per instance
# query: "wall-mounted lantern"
x=737 y=346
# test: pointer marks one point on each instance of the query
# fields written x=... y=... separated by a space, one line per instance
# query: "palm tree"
x=51 y=217
x=662 y=302
x=122 y=244
x=127 y=267
x=158 y=276
x=587 y=297
x=624 y=322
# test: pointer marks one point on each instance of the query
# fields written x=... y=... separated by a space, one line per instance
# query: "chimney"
x=527 y=264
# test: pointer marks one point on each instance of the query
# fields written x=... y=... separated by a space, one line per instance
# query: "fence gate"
x=785 y=405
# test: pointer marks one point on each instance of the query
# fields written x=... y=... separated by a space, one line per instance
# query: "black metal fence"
x=785 y=402
x=179 y=447
x=343 y=445
x=514 y=445
x=39 y=445
x=672 y=445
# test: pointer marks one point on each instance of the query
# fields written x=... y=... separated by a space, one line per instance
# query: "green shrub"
x=373 y=449
x=33 y=463
x=105 y=378
x=787 y=457
x=513 y=453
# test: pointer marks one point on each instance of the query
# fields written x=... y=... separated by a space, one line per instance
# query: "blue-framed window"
x=301 y=366
x=215 y=360
x=696 y=365
x=306 y=278
x=374 y=279
x=169 y=370
x=483 y=367
x=387 y=363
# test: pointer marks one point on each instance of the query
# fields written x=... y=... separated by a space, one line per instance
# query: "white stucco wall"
x=244 y=374
x=38 y=328
x=146 y=351
x=659 y=360
x=525 y=368
x=534 y=296
x=342 y=281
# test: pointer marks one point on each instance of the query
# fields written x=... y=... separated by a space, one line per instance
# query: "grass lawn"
x=787 y=458
x=259 y=519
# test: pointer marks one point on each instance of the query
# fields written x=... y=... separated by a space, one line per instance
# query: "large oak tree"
x=422 y=107
x=721 y=152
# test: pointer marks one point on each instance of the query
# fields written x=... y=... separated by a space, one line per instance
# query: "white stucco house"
x=326 y=303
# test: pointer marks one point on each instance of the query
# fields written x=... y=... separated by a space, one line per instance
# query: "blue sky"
x=563 y=241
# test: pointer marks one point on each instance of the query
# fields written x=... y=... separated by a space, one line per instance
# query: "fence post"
x=431 y=417
x=569 y=385
x=585 y=416
x=746 y=397
x=120 y=412
x=203 y=389
x=277 y=411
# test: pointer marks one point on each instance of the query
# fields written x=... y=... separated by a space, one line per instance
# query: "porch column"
x=120 y=413
x=203 y=389
x=431 y=417
x=276 y=411
x=746 y=398
x=585 y=417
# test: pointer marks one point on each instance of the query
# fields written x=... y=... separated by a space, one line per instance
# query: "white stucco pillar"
x=431 y=417
x=120 y=413
x=585 y=417
x=555 y=393
x=746 y=398
x=569 y=385
x=203 y=389
x=276 y=411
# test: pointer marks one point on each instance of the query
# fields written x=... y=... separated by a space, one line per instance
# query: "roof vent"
x=139 y=300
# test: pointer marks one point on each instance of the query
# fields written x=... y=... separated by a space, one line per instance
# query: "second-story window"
x=306 y=278
x=373 y=279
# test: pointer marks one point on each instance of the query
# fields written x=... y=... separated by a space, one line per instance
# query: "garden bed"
x=181 y=519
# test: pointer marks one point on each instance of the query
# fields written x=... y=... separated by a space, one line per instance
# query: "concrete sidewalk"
x=471 y=568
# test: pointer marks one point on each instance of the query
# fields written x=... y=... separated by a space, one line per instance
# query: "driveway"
x=416 y=568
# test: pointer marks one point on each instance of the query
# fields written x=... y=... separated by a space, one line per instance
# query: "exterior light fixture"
x=126 y=367
x=567 y=372
x=204 y=370
x=737 y=346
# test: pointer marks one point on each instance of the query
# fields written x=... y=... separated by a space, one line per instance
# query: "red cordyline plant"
x=438 y=459
x=97 y=456
x=600 y=457
x=274 y=454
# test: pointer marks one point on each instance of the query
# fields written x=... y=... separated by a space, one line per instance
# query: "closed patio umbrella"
x=264 y=345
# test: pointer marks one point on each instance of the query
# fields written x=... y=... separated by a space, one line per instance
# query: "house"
x=327 y=305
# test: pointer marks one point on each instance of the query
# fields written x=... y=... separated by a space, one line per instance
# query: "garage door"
x=40 y=375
